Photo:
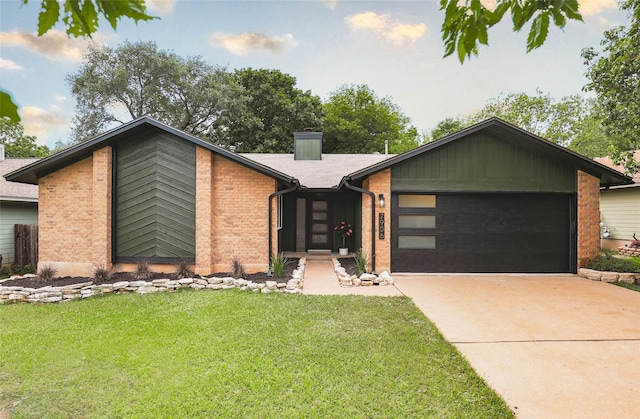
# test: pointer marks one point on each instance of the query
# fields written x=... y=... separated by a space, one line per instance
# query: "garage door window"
x=416 y=242
x=417 y=221
x=417 y=201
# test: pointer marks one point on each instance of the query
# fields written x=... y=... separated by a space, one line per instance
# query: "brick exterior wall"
x=588 y=217
x=102 y=185
x=65 y=218
x=379 y=183
x=240 y=215
x=204 y=212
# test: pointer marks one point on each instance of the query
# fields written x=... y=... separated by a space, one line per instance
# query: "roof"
x=318 y=174
x=32 y=172
x=332 y=171
x=508 y=132
x=14 y=191
x=608 y=161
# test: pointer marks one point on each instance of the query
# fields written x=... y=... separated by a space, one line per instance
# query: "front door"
x=319 y=224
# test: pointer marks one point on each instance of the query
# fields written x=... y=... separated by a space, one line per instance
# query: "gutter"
x=373 y=220
x=295 y=186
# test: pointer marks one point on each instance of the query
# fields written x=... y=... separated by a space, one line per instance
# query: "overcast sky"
x=394 y=47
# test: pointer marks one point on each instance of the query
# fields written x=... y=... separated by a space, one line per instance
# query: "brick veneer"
x=231 y=209
x=379 y=183
x=65 y=218
x=588 y=217
x=240 y=211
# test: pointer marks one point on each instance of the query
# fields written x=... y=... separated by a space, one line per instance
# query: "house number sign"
x=381 y=225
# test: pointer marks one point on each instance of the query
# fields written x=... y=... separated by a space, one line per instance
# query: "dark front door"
x=319 y=233
x=483 y=233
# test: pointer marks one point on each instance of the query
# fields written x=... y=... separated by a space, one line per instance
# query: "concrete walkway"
x=553 y=346
x=321 y=279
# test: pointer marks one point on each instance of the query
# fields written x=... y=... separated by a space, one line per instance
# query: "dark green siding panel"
x=155 y=198
x=482 y=162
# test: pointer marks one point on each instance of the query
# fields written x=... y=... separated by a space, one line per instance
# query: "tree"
x=446 y=127
x=17 y=144
x=81 y=18
x=357 y=121
x=466 y=23
x=614 y=75
x=187 y=94
x=572 y=121
x=275 y=109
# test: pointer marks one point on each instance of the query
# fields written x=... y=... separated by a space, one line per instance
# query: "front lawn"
x=233 y=354
x=634 y=287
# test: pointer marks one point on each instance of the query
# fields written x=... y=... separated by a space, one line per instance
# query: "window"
x=417 y=201
x=280 y=201
x=416 y=221
x=416 y=242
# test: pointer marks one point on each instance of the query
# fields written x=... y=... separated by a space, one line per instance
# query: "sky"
x=394 y=47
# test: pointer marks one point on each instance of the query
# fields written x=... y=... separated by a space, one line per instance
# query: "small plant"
x=101 y=274
x=142 y=272
x=278 y=263
x=47 y=273
x=183 y=269
x=612 y=264
x=361 y=261
x=237 y=268
x=343 y=230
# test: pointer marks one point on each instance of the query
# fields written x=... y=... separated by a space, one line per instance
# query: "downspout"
x=273 y=195
x=373 y=221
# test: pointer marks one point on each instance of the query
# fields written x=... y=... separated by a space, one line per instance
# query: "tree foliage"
x=81 y=18
x=614 y=75
x=140 y=79
x=17 y=144
x=275 y=109
x=357 y=121
x=466 y=23
x=572 y=121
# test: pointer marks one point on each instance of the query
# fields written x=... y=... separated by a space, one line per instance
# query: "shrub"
x=101 y=274
x=142 y=272
x=237 y=268
x=361 y=261
x=278 y=263
x=613 y=264
x=183 y=269
x=47 y=273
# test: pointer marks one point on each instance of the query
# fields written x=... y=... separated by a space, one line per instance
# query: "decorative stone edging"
x=364 y=280
x=88 y=289
x=606 y=276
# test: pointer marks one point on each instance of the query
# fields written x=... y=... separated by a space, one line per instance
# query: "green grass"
x=233 y=354
x=634 y=287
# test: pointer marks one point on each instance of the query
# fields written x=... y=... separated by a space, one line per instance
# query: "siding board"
x=483 y=162
x=155 y=198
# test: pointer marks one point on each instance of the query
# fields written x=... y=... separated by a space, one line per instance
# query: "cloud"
x=241 y=44
x=595 y=7
x=40 y=122
x=165 y=6
x=9 y=65
x=384 y=26
x=331 y=4
x=55 y=44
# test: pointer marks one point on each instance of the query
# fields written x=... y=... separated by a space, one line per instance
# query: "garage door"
x=483 y=233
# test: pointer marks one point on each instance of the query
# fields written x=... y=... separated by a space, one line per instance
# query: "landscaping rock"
x=628 y=278
x=590 y=274
x=609 y=276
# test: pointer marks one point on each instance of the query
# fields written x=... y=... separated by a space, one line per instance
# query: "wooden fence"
x=26 y=244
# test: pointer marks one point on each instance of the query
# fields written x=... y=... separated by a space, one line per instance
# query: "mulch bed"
x=349 y=264
x=259 y=277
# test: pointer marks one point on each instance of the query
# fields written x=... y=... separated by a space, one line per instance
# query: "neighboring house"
x=18 y=204
x=620 y=208
x=489 y=198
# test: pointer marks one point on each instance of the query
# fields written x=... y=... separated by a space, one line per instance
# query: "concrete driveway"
x=553 y=346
